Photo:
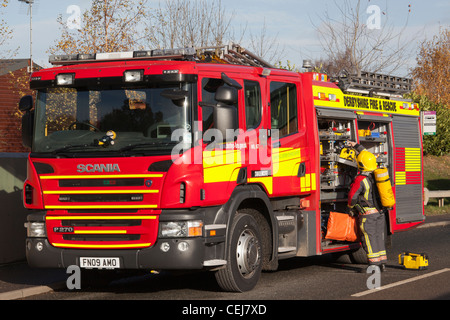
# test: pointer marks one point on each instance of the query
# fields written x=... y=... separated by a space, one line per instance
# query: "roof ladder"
x=233 y=54
x=370 y=83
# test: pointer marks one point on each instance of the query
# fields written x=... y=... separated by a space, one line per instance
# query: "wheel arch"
x=252 y=197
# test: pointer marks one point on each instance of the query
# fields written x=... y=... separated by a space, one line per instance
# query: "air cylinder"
x=384 y=187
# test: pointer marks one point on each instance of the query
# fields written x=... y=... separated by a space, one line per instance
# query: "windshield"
x=76 y=120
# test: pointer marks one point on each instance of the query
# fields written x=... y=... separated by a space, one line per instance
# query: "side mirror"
x=225 y=111
x=27 y=128
x=176 y=95
x=225 y=118
x=231 y=82
x=26 y=103
x=227 y=95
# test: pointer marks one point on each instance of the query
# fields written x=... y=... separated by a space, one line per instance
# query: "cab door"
x=258 y=156
x=221 y=152
x=291 y=172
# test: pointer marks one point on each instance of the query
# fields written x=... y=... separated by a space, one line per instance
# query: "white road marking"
x=399 y=283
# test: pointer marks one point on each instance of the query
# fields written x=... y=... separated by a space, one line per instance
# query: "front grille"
x=101 y=237
x=101 y=182
x=101 y=197
x=101 y=223
x=101 y=211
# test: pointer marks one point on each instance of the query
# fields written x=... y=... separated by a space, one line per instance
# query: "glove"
x=351 y=211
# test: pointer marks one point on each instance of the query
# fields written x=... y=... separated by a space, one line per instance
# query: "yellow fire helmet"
x=366 y=161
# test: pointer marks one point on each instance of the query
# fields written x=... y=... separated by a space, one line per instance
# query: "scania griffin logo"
x=98 y=167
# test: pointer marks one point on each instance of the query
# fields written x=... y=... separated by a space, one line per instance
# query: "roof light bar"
x=114 y=55
x=174 y=52
x=231 y=53
x=143 y=54
x=86 y=56
x=62 y=58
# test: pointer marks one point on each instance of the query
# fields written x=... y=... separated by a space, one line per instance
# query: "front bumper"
x=195 y=257
x=195 y=253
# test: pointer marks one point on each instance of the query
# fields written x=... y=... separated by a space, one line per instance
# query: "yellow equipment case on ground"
x=415 y=261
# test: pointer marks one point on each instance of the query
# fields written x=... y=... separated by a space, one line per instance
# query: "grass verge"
x=437 y=177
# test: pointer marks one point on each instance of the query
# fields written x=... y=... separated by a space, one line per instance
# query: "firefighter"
x=363 y=198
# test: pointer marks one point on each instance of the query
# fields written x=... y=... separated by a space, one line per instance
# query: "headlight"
x=35 y=229
x=181 y=229
x=65 y=79
x=133 y=75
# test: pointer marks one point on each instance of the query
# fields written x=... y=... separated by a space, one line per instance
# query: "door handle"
x=301 y=170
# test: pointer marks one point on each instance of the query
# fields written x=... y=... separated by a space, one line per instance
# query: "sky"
x=290 y=22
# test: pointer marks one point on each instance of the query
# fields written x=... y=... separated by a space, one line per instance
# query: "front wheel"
x=244 y=256
x=358 y=256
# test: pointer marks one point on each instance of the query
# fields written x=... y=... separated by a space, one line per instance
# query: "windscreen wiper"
x=105 y=141
x=147 y=144
x=70 y=147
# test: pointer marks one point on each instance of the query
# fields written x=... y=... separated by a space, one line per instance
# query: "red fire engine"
x=204 y=159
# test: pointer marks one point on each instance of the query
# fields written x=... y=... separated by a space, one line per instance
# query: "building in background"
x=14 y=83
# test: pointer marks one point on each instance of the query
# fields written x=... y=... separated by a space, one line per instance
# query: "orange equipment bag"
x=342 y=227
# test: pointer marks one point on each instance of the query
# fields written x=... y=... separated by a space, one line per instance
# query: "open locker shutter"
x=408 y=169
x=335 y=114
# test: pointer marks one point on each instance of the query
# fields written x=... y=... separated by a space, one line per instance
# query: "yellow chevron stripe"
x=99 y=191
x=117 y=176
x=150 y=206
x=101 y=217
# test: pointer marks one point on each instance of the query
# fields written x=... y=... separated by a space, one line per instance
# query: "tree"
x=185 y=23
x=265 y=46
x=432 y=73
x=439 y=144
x=5 y=33
x=108 y=26
x=338 y=63
x=125 y=25
x=17 y=82
x=203 y=23
x=8 y=121
x=352 y=42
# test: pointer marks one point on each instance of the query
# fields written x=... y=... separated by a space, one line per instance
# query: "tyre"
x=244 y=256
x=358 y=256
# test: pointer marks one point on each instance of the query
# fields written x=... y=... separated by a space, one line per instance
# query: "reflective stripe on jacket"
x=361 y=194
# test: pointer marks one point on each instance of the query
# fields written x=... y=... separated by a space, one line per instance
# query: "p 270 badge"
x=63 y=229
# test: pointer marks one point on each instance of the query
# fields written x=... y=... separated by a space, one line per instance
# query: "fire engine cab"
x=205 y=158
